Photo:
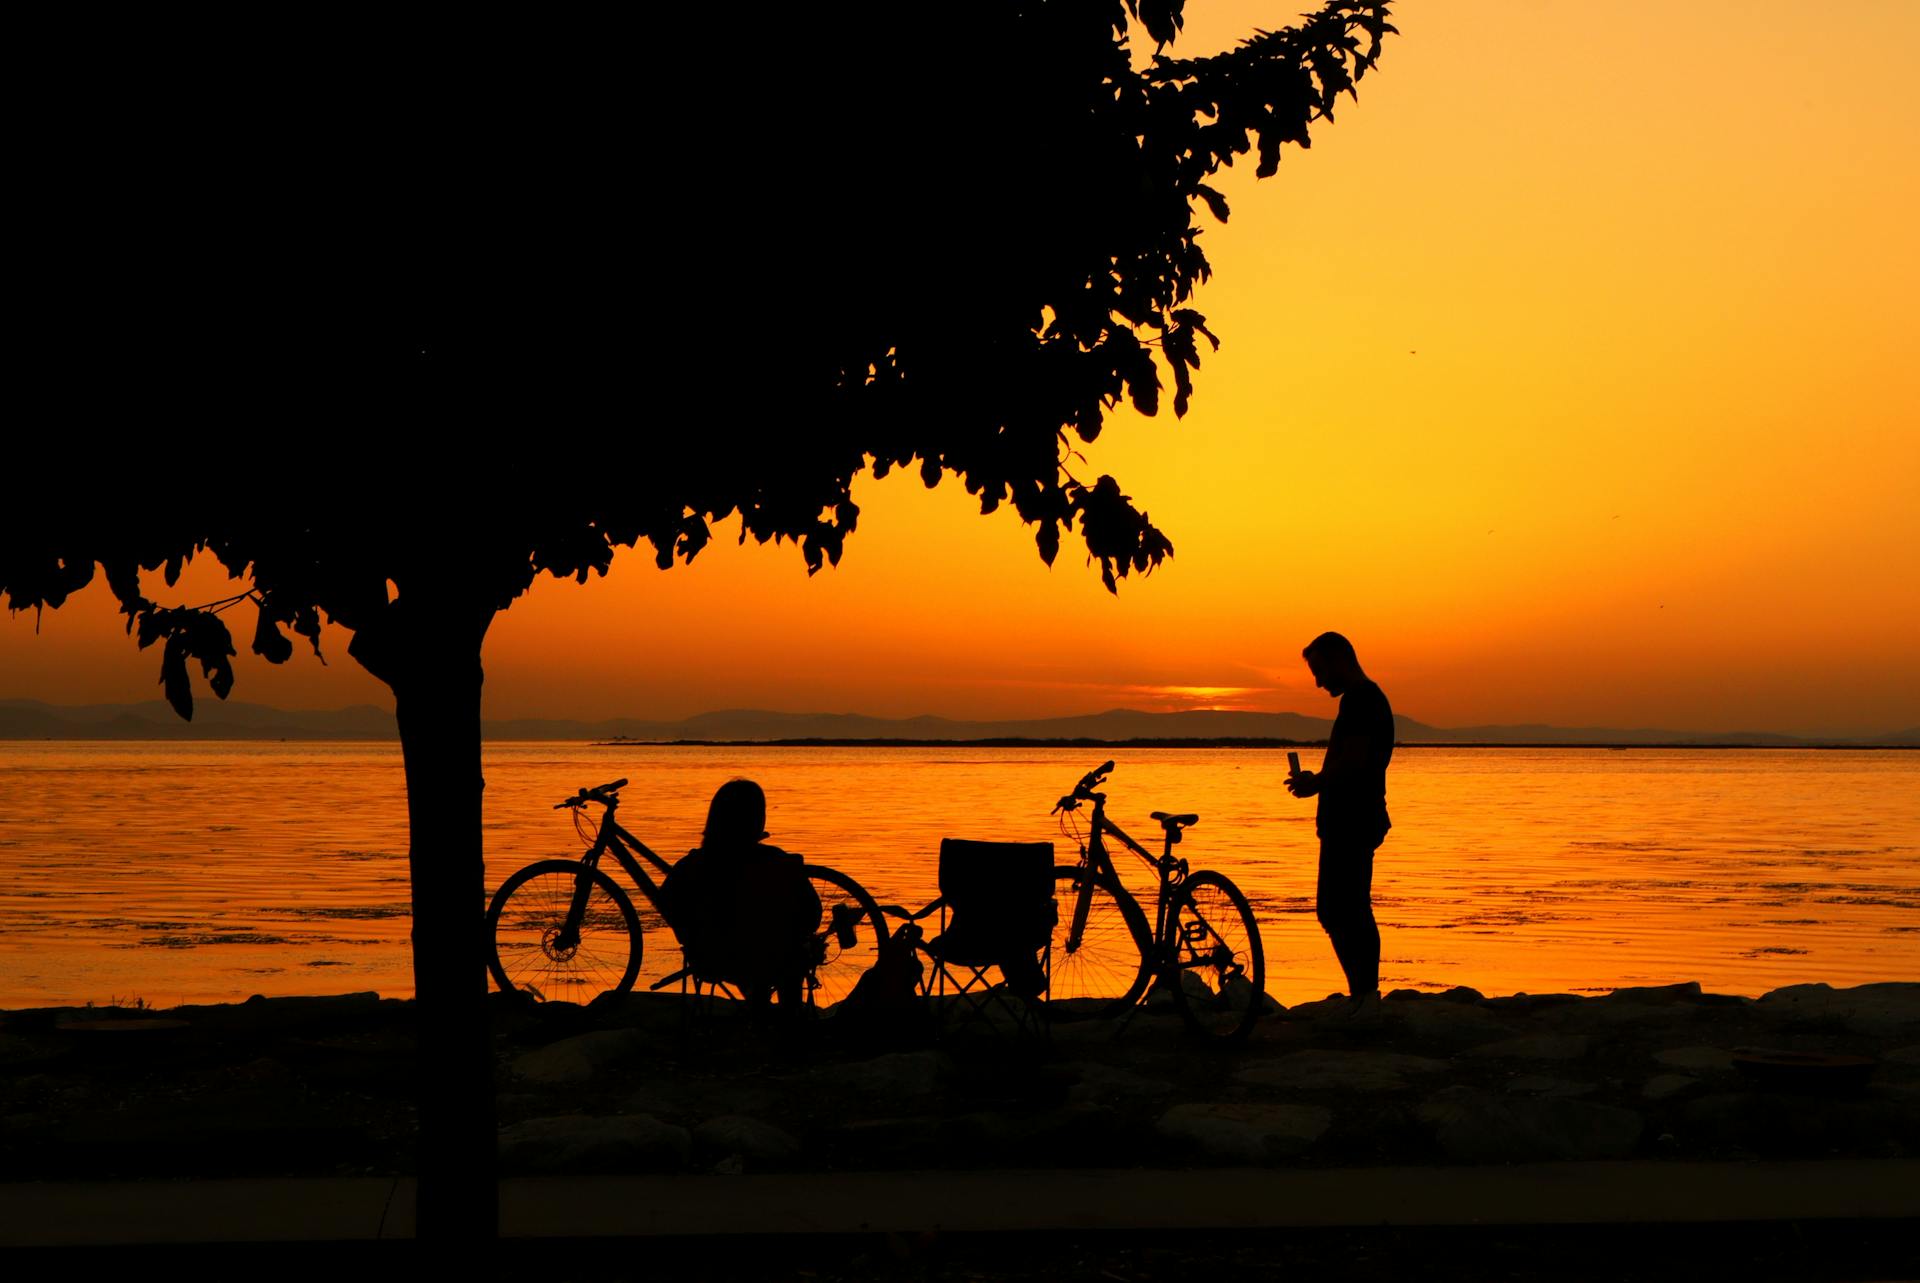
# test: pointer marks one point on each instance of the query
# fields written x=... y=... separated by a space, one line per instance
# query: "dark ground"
x=1805 y=1251
x=324 y=1086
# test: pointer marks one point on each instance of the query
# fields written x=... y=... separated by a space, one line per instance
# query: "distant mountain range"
x=213 y=720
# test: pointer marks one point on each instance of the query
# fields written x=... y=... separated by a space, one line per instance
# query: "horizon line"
x=1657 y=735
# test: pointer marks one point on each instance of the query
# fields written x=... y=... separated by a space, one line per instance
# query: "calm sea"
x=207 y=872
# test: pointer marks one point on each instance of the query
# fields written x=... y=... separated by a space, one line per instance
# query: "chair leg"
x=686 y=1007
x=976 y=999
x=697 y=999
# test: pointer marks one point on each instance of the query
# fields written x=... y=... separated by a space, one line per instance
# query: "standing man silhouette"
x=1352 y=820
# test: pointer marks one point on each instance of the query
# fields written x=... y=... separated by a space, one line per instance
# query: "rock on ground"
x=1100 y=1084
x=1541 y=1085
x=1227 y=1132
x=761 y=1144
x=1710 y=1060
x=1354 y=1071
x=896 y=1076
x=1658 y=995
x=1535 y=1047
x=1667 y=1086
x=1887 y=1008
x=1454 y=1024
x=1606 y=1016
x=577 y=1059
x=575 y=1143
x=1527 y=1004
x=1143 y=1026
x=1478 y=1127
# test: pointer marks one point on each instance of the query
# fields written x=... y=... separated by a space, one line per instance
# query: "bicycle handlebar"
x=1084 y=789
x=603 y=794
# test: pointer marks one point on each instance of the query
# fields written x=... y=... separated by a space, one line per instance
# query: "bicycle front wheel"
x=561 y=930
x=1222 y=968
x=1107 y=962
x=848 y=941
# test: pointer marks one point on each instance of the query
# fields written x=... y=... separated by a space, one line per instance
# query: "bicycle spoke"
x=1222 y=971
x=1105 y=963
x=534 y=949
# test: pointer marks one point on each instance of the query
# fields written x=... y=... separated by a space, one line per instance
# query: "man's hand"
x=1305 y=784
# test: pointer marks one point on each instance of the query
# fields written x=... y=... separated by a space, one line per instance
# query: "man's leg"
x=1344 y=904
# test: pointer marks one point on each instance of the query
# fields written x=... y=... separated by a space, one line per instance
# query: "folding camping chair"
x=703 y=984
x=738 y=955
x=996 y=914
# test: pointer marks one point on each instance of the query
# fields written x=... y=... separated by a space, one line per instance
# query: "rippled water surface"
x=208 y=872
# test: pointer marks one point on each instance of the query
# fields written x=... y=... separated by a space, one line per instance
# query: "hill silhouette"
x=22 y=719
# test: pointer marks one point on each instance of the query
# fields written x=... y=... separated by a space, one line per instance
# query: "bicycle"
x=565 y=929
x=1204 y=946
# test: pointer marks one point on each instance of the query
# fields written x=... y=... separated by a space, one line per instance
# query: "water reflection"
x=219 y=870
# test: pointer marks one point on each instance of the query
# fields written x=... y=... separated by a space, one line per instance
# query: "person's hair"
x=738 y=813
x=1331 y=646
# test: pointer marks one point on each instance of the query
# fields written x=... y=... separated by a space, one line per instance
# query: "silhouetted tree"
x=445 y=311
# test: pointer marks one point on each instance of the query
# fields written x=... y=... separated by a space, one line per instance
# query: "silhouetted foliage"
x=974 y=233
x=509 y=304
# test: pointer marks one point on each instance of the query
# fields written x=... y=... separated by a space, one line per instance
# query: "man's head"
x=1334 y=666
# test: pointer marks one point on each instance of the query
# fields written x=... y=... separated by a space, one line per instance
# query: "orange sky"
x=1572 y=374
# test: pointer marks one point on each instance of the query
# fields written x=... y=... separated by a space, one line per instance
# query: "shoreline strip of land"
x=379 y=1208
x=1204 y=743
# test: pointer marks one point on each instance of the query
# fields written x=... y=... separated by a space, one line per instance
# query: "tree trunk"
x=436 y=678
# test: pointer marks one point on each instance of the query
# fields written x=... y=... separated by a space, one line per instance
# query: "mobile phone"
x=1293 y=763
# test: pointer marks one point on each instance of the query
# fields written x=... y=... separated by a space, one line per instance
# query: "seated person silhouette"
x=744 y=911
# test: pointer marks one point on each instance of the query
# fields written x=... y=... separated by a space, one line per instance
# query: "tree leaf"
x=1216 y=203
x=1048 y=539
x=269 y=642
x=1269 y=155
x=219 y=675
x=173 y=677
x=306 y=622
x=1162 y=19
x=152 y=625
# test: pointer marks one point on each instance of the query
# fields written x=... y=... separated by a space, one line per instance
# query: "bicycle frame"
x=1186 y=942
x=623 y=845
x=1172 y=872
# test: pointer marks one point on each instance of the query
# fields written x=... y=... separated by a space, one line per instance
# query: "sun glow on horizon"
x=1211 y=699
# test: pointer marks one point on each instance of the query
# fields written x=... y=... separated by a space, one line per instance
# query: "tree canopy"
x=944 y=239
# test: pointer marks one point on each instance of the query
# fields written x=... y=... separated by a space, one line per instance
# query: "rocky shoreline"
x=325 y=1085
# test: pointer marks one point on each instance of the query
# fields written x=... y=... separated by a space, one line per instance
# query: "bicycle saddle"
x=1174 y=822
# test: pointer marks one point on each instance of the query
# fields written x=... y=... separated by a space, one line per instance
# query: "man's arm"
x=1346 y=758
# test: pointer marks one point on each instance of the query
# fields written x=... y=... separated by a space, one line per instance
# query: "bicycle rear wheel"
x=535 y=953
x=848 y=941
x=1109 y=960
x=1222 y=968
